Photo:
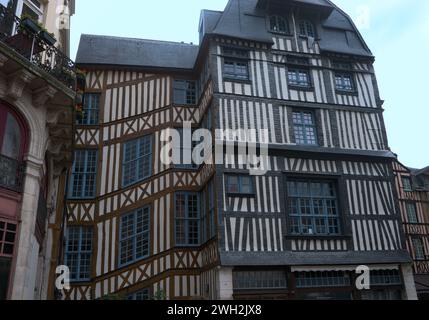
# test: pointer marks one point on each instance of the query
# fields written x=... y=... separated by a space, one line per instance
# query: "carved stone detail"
x=17 y=82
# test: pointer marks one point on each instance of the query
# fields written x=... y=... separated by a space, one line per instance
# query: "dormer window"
x=278 y=24
x=306 y=29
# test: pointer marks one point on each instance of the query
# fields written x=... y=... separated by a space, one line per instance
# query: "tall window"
x=239 y=185
x=12 y=148
x=187 y=219
x=84 y=174
x=33 y=9
x=79 y=252
x=278 y=24
x=236 y=64
x=406 y=184
x=306 y=29
x=185 y=92
x=412 y=213
x=212 y=213
x=304 y=128
x=184 y=153
x=313 y=208
x=134 y=236
x=137 y=162
x=7 y=238
x=299 y=77
x=344 y=81
x=91 y=109
x=419 y=249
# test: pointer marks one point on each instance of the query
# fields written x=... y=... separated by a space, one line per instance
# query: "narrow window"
x=79 y=252
x=187 y=219
x=212 y=206
x=313 y=208
x=137 y=162
x=185 y=92
x=306 y=29
x=278 y=24
x=419 y=249
x=304 y=128
x=299 y=78
x=134 y=236
x=91 y=110
x=84 y=174
x=412 y=213
x=406 y=184
x=239 y=185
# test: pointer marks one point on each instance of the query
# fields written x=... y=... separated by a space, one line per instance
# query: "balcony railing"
x=11 y=174
x=34 y=48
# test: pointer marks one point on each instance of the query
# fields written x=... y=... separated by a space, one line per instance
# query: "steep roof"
x=243 y=19
x=116 y=51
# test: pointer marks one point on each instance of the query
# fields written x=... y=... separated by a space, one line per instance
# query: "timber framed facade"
x=413 y=191
x=326 y=205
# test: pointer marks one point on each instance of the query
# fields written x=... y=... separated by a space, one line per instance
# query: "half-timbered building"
x=300 y=74
x=412 y=186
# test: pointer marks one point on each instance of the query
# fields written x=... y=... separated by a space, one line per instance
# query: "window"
x=304 y=128
x=306 y=29
x=187 y=219
x=260 y=280
x=134 y=236
x=12 y=135
x=33 y=9
x=212 y=206
x=137 y=162
x=406 y=184
x=412 y=213
x=79 y=252
x=7 y=238
x=325 y=279
x=235 y=64
x=344 y=81
x=313 y=208
x=182 y=153
x=5 y=265
x=185 y=92
x=299 y=77
x=278 y=24
x=142 y=295
x=90 y=110
x=239 y=185
x=208 y=215
x=419 y=249
x=385 y=277
x=84 y=174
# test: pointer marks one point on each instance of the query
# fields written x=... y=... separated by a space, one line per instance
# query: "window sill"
x=317 y=237
x=240 y=195
x=230 y=79
x=279 y=33
x=347 y=92
x=301 y=88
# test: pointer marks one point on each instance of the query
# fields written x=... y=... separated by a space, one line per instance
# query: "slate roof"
x=116 y=51
x=244 y=19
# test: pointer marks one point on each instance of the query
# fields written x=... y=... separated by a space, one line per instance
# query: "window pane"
x=12 y=138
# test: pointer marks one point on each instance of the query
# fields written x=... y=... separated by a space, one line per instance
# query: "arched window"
x=306 y=29
x=13 y=142
x=12 y=133
x=278 y=24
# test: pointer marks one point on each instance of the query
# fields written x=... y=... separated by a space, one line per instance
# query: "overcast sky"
x=397 y=31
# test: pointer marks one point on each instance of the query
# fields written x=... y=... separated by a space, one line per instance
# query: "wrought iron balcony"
x=11 y=174
x=36 y=48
